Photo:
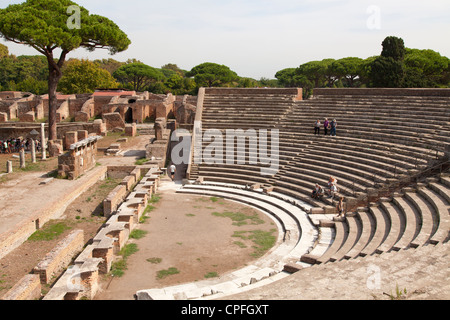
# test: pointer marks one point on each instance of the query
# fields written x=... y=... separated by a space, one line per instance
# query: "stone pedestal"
x=43 y=142
x=130 y=130
x=9 y=167
x=33 y=151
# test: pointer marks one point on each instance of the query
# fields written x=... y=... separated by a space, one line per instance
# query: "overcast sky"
x=257 y=38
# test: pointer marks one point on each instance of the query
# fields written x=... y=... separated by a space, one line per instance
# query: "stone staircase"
x=423 y=272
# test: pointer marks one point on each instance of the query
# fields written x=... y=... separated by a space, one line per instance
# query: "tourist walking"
x=173 y=169
x=326 y=126
x=317 y=127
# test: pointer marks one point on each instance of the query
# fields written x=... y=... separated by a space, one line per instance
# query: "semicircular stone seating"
x=382 y=137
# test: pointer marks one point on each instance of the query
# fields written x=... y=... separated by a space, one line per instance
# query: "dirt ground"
x=182 y=231
x=185 y=233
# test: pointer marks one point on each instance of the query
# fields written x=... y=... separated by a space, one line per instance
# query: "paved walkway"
x=27 y=197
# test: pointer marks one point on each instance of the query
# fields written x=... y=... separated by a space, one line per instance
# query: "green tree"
x=315 y=72
x=109 y=64
x=393 y=47
x=288 y=78
x=84 y=76
x=33 y=85
x=387 y=73
x=348 y=70
x=4 y=51
x=138 y=75
x=47 y=26
x=388 y=70
x=172 y=68
x=210 y=74
x=425 y=68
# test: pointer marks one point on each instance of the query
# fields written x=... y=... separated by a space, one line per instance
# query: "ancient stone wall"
x=80 y=158
x=113 y=200
x=60 y=257
x=97 y=257
x=296 y=93
x=113 y=120
x=28 y=288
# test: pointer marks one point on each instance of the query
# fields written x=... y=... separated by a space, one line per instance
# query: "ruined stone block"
x=130 y=130
x=113 y=120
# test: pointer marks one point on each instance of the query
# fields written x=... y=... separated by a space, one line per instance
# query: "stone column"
x=9 y=167
x=33 y=151
x=43 y=142
x=22 y=159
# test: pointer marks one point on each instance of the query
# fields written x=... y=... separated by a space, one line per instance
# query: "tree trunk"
x=53 y=79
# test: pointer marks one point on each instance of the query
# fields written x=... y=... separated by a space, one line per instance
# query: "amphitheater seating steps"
x=410 y=219
x=423 y=272
x=401 y=137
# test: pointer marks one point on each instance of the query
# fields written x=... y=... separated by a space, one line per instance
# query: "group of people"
x=331 y=191
x=14 y=145
x=328 y=126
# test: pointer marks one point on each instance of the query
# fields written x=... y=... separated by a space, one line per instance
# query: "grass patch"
x=118 y=268
x=145 y=214
x=141 y=161
x=211 y=275
x=190 y=215
x=240 y=219
x=128 y=250
x=49 y=232
x=154 y=260
x=137 y=234
x=263 y=240
x=161 y=274
x=154 y=199
x=240 y=244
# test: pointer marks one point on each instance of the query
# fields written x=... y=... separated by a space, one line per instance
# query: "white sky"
x=257 y=38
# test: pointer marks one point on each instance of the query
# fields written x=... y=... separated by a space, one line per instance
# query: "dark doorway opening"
x=129 y=116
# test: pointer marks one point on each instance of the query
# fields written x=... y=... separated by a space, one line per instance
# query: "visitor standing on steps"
x=333 y=126
x=326 y=126
x=317 y=127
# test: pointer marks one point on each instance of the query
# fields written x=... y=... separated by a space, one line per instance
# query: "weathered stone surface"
x=113 y=120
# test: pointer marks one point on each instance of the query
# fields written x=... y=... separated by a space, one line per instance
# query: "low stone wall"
x=60 y=257
x=113 y=200
x=116 y=197
x=81 y=280
x=294 y=92
x=28 y=288
x=381 y=92
x=23 y=230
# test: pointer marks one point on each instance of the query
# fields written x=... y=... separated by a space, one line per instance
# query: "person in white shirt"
x=173 y=169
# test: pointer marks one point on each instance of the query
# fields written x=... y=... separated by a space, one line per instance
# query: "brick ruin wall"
x=139 y=183
x=80 y=158
x=98 y=255
x=16 y=130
